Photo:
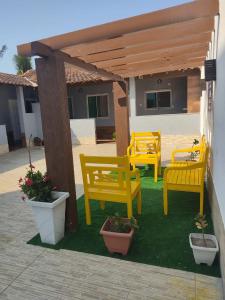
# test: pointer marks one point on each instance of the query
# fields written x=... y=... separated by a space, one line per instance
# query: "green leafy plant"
x=22 y=63
x=201 y=224
x=35 y=184
x=194 y=154
x=114 y=136
x=118 y=224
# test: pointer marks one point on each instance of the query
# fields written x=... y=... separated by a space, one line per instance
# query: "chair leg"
x=87 y=211
x=156 y=173
x=129 y=209
x=165 y=200
x=139 y=202
x=201 y=202
x=102 y=205
x=133 y=166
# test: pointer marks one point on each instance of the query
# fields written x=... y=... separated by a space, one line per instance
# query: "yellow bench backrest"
x=145 y=142
x=106 y=173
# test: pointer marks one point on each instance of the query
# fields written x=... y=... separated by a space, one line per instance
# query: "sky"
x=24 y=21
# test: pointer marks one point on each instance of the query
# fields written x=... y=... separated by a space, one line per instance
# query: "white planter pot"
x=204 y=254
x=50 y=217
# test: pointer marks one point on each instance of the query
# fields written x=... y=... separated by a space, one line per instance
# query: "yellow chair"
x=109 y=179
x=187 y=177
x=145 y=148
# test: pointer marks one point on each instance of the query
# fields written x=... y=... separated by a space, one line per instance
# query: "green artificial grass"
x=161 y=241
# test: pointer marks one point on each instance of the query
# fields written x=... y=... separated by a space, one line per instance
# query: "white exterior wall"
x=4 y=148
x=172 y=124
x=214 y=116
x=83 y=131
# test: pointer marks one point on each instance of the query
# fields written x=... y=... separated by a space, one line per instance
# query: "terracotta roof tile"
x=73 y=76
x=15 y=80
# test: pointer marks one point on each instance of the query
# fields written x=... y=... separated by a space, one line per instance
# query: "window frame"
x=158 y=107
x=96 y=95
x=70 y=97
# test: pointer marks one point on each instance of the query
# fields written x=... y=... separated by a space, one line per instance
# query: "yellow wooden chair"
x=187 y=177
x=145 y=148
x=109 y=179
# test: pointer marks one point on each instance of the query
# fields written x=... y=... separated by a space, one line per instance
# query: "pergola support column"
x=56 y=130
x=121 y=109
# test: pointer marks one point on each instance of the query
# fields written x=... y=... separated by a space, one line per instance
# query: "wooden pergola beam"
x=52 y=92
x=148 y=46
x=121 y=108
x=153 y=71
x=187 y=11
x=42 y=50
x=166 y=33
x=184 y=51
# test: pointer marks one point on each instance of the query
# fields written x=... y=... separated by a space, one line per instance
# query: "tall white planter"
x=204 y=255
x=50 y=217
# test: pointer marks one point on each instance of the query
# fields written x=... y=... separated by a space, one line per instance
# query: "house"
x=12 y=116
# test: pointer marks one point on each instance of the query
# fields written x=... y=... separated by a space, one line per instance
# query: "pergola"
x=172 y=39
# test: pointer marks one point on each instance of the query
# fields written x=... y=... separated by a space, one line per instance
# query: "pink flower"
x=29 y=182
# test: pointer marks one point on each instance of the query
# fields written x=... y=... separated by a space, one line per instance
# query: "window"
x=98 y=106
x=70 y=107
x=158 y=99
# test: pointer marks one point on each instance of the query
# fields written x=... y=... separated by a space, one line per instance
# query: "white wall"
x=173 y=124
x=83 y=131
x=216 y=120
x=4 y=148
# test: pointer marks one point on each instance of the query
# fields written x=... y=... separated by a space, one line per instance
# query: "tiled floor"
x=29 y=272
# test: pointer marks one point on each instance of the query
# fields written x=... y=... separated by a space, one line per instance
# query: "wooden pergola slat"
x=166 y=33
x=189 y=50
x=148 y=46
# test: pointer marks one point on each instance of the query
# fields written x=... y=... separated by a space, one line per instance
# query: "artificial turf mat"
x=161 y=241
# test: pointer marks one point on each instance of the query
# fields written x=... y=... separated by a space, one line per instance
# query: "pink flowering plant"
x=36 y=185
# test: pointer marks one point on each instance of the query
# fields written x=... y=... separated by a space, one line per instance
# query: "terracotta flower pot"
x=116 y=242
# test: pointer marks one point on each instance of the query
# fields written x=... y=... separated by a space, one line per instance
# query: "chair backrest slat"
x=146 y=142
x=106 y=173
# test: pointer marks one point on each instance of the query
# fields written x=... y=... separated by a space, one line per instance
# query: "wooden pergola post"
x=121 y=112
x=56 y=130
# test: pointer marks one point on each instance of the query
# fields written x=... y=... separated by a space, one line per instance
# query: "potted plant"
x=194 y=154
x=118 y=233
x=204 y=246
x=48 y=205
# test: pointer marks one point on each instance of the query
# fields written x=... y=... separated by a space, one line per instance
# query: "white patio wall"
x=83 y=131
x=171 y=124
x=4 y=148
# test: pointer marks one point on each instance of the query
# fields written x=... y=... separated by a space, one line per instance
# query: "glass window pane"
x=102 y=106
x=151 y=101
x=92 y=108
x=163 y=99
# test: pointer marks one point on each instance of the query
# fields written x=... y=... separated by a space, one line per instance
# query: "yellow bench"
x=145 y=148
x=186 y=177
x=109 y=179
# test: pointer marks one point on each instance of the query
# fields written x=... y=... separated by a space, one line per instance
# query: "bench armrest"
x=184 y=150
